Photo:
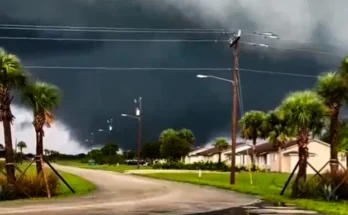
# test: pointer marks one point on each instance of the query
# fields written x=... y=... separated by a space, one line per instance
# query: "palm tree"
x=277 y=132
x=12 y=76
x=305 y=114
x=42 y=98
x=221 y=144
x=251 y=129
x=334 y=91
x=21 y=145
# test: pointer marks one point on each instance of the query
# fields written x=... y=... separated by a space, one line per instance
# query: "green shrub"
x=324 y=187
x=29 y=185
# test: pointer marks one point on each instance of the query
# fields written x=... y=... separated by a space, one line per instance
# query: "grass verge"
x=265 y=185
x=120 y=168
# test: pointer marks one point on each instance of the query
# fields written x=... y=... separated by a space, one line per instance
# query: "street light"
x=214 y=77
x=138 y=116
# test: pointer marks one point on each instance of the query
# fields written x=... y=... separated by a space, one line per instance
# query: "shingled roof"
x=268 y=147
x=214 y=150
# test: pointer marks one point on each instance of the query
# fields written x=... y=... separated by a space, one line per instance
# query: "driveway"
x=127 y=194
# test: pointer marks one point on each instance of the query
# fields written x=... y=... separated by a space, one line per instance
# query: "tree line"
x=302 y=115
x=41 y=97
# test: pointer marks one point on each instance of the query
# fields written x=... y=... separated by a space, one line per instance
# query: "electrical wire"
x=155 y=41
x=142 y=30
x=163 y=69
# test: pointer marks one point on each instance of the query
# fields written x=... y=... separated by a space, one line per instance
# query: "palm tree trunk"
x=333 y=138
x=39 y=152
x=253 y=154
x=21 y=155
x=302 y=142
x=280 y=159
x=10 y=168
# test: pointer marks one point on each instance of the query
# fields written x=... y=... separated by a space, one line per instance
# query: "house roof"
x=214 y=150
x=267 y=147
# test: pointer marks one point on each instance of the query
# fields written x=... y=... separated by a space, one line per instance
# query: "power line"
x=154 y=41
x=138 y=30
x=164 y=69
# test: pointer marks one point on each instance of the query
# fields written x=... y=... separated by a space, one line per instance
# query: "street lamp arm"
x=130 y=116
x=221 y=79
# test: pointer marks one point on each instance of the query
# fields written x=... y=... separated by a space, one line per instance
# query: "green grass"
x=121 y=168
x=265 y=185
x=81 y=186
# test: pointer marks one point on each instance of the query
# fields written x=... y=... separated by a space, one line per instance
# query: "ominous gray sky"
x=173 y=99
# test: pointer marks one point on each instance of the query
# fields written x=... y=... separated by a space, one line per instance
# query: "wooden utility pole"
x=139 y=114
x=235 y=45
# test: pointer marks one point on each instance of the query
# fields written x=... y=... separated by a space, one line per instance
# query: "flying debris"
x=272 y=37
x=267 y=34
x=258 y=44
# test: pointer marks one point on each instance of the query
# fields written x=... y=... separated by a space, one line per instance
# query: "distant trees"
x=21 y=145
x=175 y=145
x=107 y=154
x=151 y=150
x=221 y=144
x=251 y=128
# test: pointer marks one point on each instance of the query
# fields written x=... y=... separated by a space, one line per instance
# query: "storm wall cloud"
x=171 y=98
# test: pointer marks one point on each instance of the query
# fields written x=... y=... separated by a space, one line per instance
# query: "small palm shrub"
x=29 y=185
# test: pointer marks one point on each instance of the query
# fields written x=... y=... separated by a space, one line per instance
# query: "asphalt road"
x=126 y=194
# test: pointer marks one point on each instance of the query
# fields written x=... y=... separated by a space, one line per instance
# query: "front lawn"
x=265 y=185
x=120 y=168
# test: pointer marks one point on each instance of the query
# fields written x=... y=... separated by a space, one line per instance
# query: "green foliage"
x=325 y=188
x=21 y=145
x=174 y=148
x=41 y=96
x=32 y=185
x=167 y=134
x=332 y=88
x=251 y=125
x=109 y=149
x=303 y=110
x=128 y=155
x=194 y=166
x=151 y=150
x=208 y=166
x=275 y=129
x=221 y=143
x=187 y=134
x=16 y=78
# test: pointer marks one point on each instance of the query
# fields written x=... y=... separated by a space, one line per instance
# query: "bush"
x=321 y=188
x=194 y=166
x=29 y=185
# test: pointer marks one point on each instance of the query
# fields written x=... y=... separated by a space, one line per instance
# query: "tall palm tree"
x=277 y=132
x=12 y=76
x=21 y=145
x=305 y=114
x=221 y=144
x=334 y=91
x=251 y=129
x=42 y=98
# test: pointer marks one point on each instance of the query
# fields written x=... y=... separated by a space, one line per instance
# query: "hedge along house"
x=211 y=154
x=267 y=156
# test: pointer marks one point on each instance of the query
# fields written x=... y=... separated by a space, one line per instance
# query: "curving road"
x=126 y=194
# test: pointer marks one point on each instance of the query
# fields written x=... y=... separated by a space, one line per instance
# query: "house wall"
x=321 y=157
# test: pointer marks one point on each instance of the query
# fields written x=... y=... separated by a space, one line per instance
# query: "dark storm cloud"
x=171 y=99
